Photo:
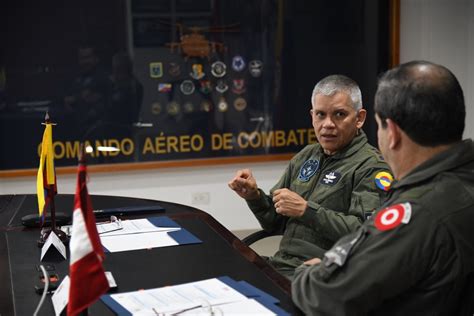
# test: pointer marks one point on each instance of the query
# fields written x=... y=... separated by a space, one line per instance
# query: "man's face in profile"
x=87 y=60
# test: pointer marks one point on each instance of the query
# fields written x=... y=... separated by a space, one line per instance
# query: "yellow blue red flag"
x=46 y=178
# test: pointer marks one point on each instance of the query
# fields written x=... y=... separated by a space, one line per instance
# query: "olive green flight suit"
x=340 y=189
x=415 y=256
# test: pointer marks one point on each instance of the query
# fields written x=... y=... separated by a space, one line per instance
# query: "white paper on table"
x=61 y=296
x=137 y=241
x=178 y=298
x=133 y=226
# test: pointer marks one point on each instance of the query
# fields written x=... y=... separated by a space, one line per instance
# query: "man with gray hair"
x=329 y=188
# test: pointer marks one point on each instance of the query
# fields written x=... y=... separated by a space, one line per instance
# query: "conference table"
x=220 y=254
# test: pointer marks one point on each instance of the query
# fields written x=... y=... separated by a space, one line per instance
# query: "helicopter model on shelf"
x=195 y=44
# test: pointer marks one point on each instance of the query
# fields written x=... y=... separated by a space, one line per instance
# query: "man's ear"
x=361 y=114
x=394 y=134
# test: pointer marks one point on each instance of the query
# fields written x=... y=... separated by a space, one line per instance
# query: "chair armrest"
x=254 y=237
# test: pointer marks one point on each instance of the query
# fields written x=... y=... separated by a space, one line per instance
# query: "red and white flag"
x=88 y=280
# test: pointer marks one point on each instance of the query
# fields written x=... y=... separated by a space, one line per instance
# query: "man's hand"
x=289 y=203
x=245 y=185
x=312 y=262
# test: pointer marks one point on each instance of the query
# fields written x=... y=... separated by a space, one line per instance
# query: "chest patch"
x=392 y=216
x=308 y=170
x=383 y=180
x=330 y=178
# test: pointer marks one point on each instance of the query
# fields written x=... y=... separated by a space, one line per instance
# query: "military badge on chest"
x=330 y=178
x=308 y=170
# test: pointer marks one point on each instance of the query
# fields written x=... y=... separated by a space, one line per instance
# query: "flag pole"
x=52 y=209
x=82 y=161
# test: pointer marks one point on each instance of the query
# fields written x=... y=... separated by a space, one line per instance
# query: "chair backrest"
x=466 y=306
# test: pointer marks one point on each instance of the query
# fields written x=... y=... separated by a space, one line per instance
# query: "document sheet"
x=207 y=297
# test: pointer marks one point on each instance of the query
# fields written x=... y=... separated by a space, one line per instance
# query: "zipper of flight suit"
x=325 y=161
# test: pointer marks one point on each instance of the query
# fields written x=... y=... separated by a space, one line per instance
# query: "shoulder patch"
x=308 y=169
x=341 y=250
x=392 y=216
x=383 y=180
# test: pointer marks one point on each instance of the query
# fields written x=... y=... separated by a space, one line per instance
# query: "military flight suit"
x=415 y=256
x=340 y=189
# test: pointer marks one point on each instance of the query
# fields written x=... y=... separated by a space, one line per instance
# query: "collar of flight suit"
x=357 y=143
x=457 y=155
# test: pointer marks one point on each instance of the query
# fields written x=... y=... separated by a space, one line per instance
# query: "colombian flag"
x=46 y=178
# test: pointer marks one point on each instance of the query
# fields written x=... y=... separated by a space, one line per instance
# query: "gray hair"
x=339 y=83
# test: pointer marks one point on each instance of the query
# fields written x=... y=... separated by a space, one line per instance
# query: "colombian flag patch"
x=383 y=180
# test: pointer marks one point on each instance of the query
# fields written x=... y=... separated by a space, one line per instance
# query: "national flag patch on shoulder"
x=392 y=216
x=383 y=180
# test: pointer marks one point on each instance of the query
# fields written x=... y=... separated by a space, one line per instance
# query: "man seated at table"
x=329 y=188
x=415 y=256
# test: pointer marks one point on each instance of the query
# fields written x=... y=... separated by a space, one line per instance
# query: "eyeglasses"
x=113 y=225
x=203 y=307
x=107 y=227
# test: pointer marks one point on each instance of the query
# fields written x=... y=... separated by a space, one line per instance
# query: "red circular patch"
x=390 y=217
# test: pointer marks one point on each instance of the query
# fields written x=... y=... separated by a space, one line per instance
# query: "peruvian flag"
x=88 y=281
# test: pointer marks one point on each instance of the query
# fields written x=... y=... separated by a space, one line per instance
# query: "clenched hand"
x=245 y=185
x=289 y=203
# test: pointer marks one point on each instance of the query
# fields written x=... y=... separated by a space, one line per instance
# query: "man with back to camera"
x=329 y=188
x=87 y=98
x=416 y=254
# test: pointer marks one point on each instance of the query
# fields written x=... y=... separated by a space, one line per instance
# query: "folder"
x=243 y=287
x=260 y=296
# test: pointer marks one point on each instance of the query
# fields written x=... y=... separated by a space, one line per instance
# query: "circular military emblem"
x=174 y=69
x=392 y=216
x=238 y=63
x=222 y=106
x=173 y=108
x=221 y=86
x=156 y=108
x=187 y=87
x=383 y=180
x=308 y=169
x=188 y=107
x=256 y=68
x=240 y=104
x=218 y=69
x=205 y=106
